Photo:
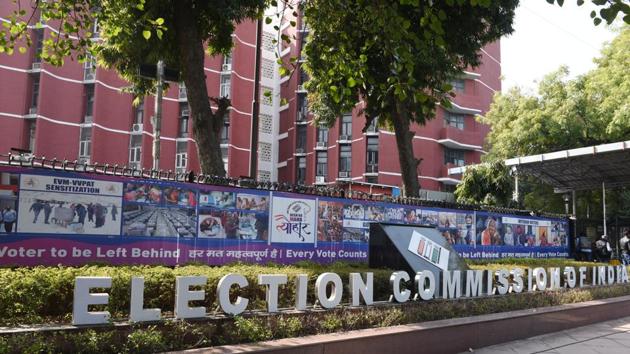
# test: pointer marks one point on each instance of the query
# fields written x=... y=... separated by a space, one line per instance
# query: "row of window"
x=345 y=161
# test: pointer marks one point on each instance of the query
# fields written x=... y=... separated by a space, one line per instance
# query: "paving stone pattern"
x=610 y=337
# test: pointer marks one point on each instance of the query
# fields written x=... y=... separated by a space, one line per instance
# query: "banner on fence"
x=52 y=217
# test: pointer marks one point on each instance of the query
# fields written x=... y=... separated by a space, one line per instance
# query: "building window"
x=301 y=170
x=225 y=131
x=302 y=108
x=449 y=188
x=135 y=151
x=303 y=77
x=35 y=92
x=301 y=138
x=455 y=157
x=454 y=120
x=227 y=60
x=322 y=164
x=373 y=127
x=184 y=113
x=322 y=135
x=371 y=179
x=226 y=83
x=85 y=144
x=372 y=154
x=38 y=39
x=31 y=135
x=89 y=68
x=345 y=158
x=182 y=93
x=89 y=103
x=181 y=157
x=138 y=117
x=458 y=84
x=346 y=127
x=225 y=134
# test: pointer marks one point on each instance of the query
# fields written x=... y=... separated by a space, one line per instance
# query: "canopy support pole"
x=515 y=194
x=604 y=205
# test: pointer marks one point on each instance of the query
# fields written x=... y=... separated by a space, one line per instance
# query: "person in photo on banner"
x=9 y=215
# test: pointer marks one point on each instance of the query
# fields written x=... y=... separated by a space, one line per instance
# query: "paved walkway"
x=610 y=337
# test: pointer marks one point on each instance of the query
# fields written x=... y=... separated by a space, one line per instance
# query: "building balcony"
x=344 y=139
x=455 y=138
x=371 y=170
x=321 y=145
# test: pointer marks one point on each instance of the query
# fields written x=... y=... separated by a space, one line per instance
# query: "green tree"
x=488 y=184
x=397 y=57
x=589 y=110
x=134 y=32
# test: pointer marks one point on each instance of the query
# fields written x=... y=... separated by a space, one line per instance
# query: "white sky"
x=547 y=36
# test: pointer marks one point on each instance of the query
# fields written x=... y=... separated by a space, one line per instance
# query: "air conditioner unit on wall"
x=321 y=144
x=320 y=179
x=226 y=67
x=344 y=174
x=299 y=150
x=185 y=113
x=36 y=66
x=32 y=110
x=344 y=137
x=136 y=128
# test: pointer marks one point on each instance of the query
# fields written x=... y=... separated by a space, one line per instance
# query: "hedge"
x=179 y=335
x=44 y=294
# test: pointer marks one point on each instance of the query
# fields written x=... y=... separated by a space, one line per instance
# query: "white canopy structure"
x=587 y=168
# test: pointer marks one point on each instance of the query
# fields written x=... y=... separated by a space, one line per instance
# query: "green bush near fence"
x=178 y=335
x=44 y=295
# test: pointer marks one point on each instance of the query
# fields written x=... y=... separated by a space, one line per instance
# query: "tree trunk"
x=205 y=123
x=404 y=142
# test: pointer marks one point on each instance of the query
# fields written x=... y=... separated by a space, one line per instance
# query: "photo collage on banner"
x=234 y=215
x=501 y=230
x=294 y=220
x=65 y=205
x=159 y=210
x=9 y=185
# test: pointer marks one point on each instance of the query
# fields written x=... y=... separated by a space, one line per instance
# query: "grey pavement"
x=610 y=337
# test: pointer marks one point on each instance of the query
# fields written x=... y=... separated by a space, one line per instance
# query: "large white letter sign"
x=223 y=294
x=335 y=296
x=394 y=281
x=273 y=281
x=83 y=298
x=365 y=289
x=183 y=296
x=301 y=285
x=136 y=311
x=425 y=292
x=451 y=284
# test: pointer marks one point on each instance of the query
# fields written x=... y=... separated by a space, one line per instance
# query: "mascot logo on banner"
x=297 y=222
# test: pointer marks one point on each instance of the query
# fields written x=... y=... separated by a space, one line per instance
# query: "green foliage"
x=147 y=340
x=589 y=110
x=609 y=11
x=488 y=184
x=180 y=335
x=397 y=57
x=252 y=329
x=35 y=295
